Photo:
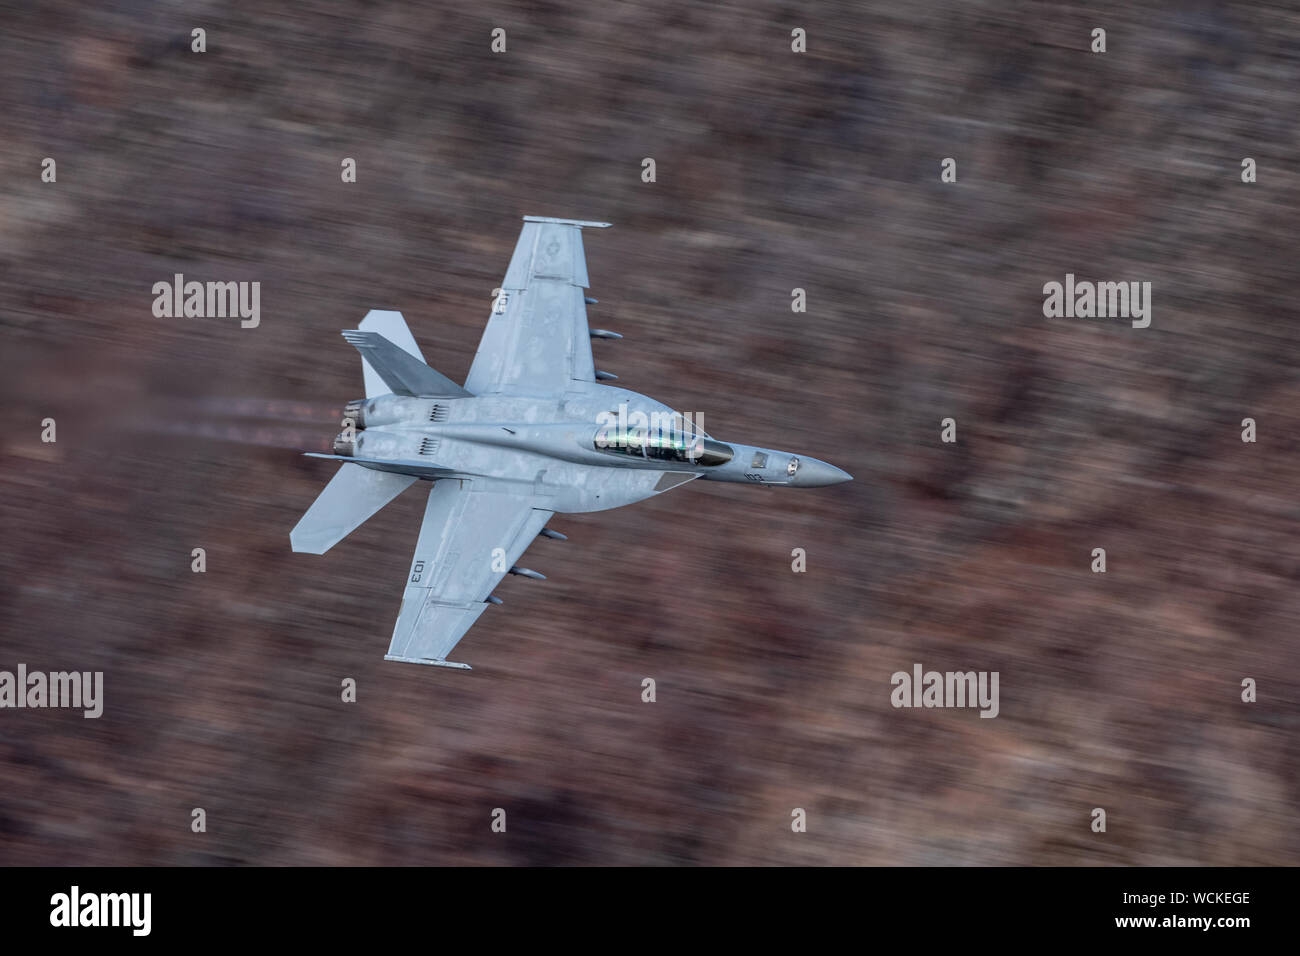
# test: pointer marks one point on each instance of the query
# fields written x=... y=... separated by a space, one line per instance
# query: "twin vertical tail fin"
x=391 y=363
x=401 y=372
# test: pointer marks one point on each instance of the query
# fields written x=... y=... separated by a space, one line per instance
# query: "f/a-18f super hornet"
x=534 y=431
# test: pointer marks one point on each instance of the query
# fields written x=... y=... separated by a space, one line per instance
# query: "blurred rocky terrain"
x=775 y=170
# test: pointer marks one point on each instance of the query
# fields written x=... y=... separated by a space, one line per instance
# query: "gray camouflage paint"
x=514 y=446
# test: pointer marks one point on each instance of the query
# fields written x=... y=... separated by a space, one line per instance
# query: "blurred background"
x=775 y=170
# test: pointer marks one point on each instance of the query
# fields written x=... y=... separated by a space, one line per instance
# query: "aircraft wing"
x=536 y=341
x=457 y=563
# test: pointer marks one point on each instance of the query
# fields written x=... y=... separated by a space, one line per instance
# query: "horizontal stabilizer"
x=352 y=496
x=402 y=372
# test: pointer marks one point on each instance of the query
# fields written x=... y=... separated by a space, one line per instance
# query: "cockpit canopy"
x=673 y=442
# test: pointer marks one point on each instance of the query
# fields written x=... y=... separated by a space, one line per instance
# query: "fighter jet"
x=534 y=431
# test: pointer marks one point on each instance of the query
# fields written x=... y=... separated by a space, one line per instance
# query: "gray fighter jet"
x=534 y=431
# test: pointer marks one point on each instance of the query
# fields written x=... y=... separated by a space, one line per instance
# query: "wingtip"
x=301 y=546
x=580 y=223
x=430 y=662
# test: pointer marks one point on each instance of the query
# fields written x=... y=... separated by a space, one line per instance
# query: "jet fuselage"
x=578 y=450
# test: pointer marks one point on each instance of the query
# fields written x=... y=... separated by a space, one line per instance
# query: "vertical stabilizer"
x=393 y=327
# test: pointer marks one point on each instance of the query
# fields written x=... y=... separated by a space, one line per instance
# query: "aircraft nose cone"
x=816 y=474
